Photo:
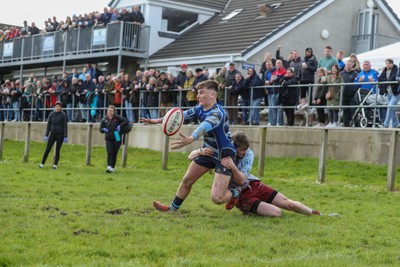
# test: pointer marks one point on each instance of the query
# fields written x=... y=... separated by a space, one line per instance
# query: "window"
x=176 y=20
x=232 y=14
x=367 y=25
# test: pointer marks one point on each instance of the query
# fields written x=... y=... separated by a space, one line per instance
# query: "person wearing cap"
x=200 y=77
x=56 y=132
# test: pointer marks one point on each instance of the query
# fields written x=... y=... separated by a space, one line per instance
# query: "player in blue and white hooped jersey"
x=215 y=130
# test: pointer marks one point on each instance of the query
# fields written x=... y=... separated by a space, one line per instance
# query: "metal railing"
x=95 y=39
x=37 y=108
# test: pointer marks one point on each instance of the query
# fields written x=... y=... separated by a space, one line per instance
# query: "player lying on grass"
x=255 y=197
x=213 y=125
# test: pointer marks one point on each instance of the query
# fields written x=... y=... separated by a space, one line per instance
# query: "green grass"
x=79 y=215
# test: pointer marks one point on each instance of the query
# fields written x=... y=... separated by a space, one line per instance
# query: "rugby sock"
x=235 y=192
x=176 y=203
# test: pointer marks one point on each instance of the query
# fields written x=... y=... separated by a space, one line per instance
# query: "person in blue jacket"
x=251 y=82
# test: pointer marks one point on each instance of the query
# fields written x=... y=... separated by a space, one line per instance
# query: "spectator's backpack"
x=127 y=128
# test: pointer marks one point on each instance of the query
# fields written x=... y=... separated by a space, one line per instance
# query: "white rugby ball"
x=172 y=121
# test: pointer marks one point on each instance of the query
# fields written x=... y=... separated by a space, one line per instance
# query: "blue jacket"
x=370 y=87
x=252 y=82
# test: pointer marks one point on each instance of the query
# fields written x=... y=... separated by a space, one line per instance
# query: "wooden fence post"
x=261 y=155
x=165 y=153
x=3 y=125
x=391 y=175
x=89 y=141
x=322 y=156
x=27 y=141
x=125 y=150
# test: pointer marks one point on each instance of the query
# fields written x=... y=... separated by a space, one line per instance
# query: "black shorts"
x=213 y=163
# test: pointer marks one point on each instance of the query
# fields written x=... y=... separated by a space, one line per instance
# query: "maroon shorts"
x=256 y=191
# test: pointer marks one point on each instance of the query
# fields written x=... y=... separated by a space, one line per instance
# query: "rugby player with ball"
x=213 y=126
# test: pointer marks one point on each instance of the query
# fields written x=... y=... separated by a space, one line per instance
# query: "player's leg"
x=219 y=192
x=283 y=202
x=193 y=173
x=266 y=209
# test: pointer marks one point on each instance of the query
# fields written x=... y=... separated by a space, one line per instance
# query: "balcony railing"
x=113 y=37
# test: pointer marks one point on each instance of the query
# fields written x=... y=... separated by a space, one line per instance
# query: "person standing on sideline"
x=110 y=126
x=214 y=127
x=56 y=131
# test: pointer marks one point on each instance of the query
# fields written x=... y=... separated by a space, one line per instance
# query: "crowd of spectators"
x=95 y=18
x=150 y=93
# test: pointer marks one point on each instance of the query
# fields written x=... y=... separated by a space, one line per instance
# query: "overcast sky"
x=16 y=11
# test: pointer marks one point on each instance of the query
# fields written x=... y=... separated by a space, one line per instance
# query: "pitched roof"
x=213 y=4
x=217 y=37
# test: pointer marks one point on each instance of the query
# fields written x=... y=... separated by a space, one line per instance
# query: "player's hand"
x=228 y=163
x=207 y=151
x=185 y=140
x=65 y=139
x=105 y=130
x=119 y=128
x=46 y=138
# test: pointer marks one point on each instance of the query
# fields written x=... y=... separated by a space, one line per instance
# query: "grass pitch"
x=79 y=215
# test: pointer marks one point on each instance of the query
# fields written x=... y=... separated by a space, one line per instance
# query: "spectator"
x=55 y=23
x=253 y=80
x=271 y=93
x=16 y=94
x=105 y=17
x=296 y=64
x=356 y=63
x=319 y=98
x=191 y=95
x=152 y=97
x=268 y=56
x=288 y=96
x=114 y=16
x=66 y=98
x=389 y=73
x=220 y=79
x=239 y=89
x=137 y=16
x=180 y=81
x=277 y=75
x=334 y=101
x=95 y=72
x=118 y=91
x=339 y=57
x=81 y=94
x=328 y=60
x=109 y=90
x=349 y=74
x=200 y=77
x=126 y=89
x=124 y=16
x=367 y=75
x=25 y=29
x=231 y=96
x=285 y=62
x=308 y=69
x=101 y=95
x=134 y=97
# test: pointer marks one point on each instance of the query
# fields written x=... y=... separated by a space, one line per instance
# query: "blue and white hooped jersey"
x=244 y=165
x=214 y=127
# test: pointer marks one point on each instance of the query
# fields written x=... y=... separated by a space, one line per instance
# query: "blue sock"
x=176 y=203
x=235 y=192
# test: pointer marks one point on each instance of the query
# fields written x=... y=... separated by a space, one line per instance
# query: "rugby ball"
x=172 y=121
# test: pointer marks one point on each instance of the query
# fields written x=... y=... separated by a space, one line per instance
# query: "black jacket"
x=288 y=95
x=308 y=73
x=57 y=123
x=392 y=77
x=349 y=77
x=111 y=124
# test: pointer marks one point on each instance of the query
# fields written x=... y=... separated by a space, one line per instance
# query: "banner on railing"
x=247 y=66
x=8 y=49
x=99 y=37
x=48 y=43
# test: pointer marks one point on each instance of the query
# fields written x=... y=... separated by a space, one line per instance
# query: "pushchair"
x=366 y=114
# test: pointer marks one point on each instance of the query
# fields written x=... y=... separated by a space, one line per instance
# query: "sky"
x=39 y=10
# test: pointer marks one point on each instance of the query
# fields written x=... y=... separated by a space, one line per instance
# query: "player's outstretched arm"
x=151 y=121
x=184 y=141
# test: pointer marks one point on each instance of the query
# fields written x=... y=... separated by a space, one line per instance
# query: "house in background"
x=211 y=33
